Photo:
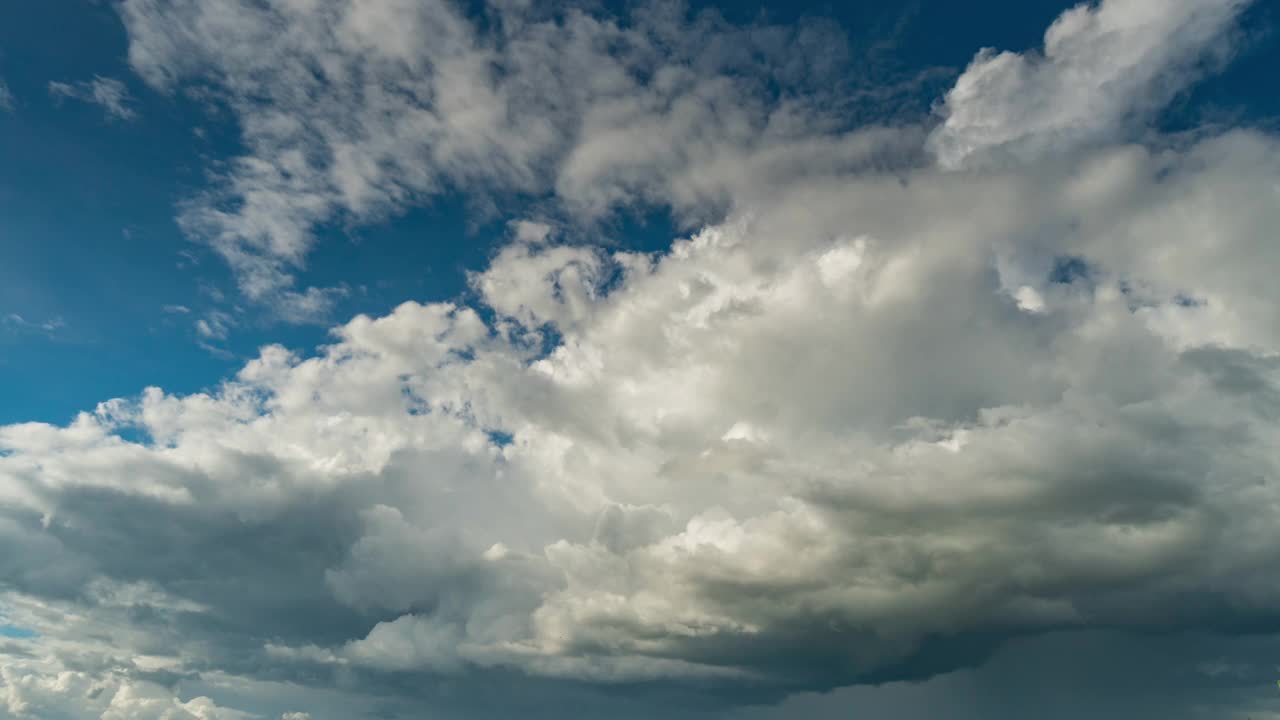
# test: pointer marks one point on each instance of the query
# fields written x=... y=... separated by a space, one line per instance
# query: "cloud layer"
x=891 y=411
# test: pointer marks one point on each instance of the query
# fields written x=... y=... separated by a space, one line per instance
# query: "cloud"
x=74 y=695
x=348 y=118
x=215 y=325
x=6 y=96
x=683 y=496
x=18 y=322
x=1126 y=676
x=853 y=432
x=1105 y=68
x=110 y=94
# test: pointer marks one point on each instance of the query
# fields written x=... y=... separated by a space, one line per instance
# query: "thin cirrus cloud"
x=110 y=94
x=913 y=396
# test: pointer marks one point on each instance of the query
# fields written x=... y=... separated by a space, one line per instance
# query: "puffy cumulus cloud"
x=74 y=695
x=787 y=460
x=108 y=93
x=1104 y=67
x=352 y=110
x=868 y=428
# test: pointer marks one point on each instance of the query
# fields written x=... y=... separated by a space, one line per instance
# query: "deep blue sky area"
x=91 y=256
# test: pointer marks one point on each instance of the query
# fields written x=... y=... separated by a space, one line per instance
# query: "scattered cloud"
x=6 y=96
x=110 y=94
x=48 y=326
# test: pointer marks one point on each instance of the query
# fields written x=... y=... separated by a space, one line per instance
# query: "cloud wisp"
x=108 y=93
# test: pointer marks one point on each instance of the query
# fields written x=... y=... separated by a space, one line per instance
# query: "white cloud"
x=25 y=692
x=350 y=116
x=851 y=421
x=48 y=326
x=1105 y=68
x=6 y=96
x=215 y=325
x=739 y=440
x=605 y=113
x=109 y=93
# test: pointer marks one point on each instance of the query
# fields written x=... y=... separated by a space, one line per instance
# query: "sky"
x=724 y=361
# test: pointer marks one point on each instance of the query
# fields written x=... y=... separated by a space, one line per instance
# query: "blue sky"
x=717 y=358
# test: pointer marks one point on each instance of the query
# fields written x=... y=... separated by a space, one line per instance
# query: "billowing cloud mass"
x=890 y=409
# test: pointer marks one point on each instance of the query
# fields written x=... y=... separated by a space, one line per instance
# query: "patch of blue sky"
x=13 y=632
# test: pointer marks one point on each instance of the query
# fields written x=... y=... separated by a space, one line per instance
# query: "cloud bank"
x=898 y=405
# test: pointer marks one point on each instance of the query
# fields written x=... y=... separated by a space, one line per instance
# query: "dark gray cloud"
x=1098 y=674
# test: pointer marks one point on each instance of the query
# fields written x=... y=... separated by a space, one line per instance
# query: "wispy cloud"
x=215 y=325
x=108 y=93
x=48 y=326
